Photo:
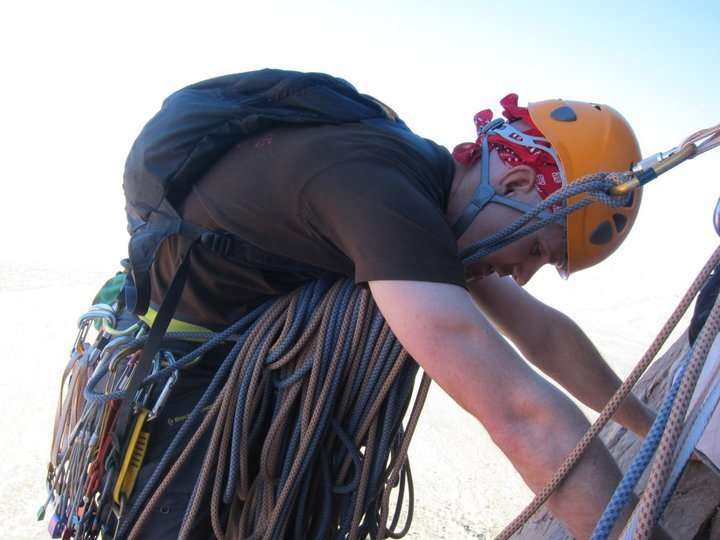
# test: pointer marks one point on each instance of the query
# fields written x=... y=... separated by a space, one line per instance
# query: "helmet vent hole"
x=602 y=234
x=564 y=114
x=598 y=107
x=620 y=221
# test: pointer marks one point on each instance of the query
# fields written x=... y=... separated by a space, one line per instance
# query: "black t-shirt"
x=362 y=200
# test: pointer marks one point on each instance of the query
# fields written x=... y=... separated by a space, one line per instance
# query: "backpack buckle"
x=218 y=243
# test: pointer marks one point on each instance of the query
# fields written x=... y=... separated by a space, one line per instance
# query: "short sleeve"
x=384 y=220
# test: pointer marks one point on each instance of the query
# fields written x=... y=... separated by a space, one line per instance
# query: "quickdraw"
x=88 y=482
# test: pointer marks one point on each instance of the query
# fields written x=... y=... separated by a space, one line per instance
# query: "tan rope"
x=258 y=508
x=264 y=327
x=711 y=140
x=614 y=402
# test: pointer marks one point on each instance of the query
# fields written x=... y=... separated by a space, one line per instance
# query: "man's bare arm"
x=532 y=422
x=557 y=346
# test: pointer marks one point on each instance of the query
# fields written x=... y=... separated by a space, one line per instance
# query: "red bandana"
x=547 y=179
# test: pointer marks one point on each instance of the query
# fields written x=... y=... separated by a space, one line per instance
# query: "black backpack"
x=194 y=128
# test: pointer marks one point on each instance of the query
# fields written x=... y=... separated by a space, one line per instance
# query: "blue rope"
x=319 y=362
x=237 y=426
x=340 y=306
x=625 y=489
x=355 y=455
x=305 y=297
x=373 y=335
x=622 y=494
x=370 y=388
x=695 y=423
x=694 y=431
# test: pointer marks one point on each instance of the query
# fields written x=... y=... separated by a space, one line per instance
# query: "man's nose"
x=522 y=272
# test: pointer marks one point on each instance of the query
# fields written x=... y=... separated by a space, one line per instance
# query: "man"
x=392 y=210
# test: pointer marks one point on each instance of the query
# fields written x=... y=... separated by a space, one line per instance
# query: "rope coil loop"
x=305 y=425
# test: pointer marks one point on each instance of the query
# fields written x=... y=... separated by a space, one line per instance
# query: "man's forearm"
x=570 y=358
x=557 y=346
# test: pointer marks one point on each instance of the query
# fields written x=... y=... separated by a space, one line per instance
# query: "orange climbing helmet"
x=590 y=138
x=562 y=141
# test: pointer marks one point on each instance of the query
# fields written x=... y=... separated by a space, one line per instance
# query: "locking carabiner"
x=651 y=167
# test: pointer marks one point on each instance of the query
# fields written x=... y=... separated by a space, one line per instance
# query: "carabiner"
x=143 y=394
x=100 y=311
x=651 y=167
x=165 y=392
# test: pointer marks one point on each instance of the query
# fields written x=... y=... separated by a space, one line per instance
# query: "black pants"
x=167 y=515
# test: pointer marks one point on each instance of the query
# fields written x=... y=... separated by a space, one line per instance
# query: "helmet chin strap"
x=485 y=192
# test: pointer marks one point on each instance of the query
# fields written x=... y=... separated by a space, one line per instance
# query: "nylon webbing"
x=155 y=337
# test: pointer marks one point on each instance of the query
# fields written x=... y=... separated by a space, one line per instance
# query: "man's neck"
x=464 y=183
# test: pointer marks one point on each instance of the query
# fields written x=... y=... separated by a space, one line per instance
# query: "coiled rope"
x=307 y=436
x=615 y=401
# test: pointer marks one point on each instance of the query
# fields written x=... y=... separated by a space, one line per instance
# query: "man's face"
x=523 y=258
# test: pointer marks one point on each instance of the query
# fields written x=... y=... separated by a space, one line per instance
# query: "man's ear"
x=518 y=181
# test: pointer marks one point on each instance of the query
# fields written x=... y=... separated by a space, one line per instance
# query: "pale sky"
x=81 y=79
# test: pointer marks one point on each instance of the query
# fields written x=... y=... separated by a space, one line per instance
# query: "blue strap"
x=485 y=193
x=482 y=196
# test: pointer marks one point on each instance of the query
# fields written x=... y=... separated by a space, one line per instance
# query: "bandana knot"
x=547 y=174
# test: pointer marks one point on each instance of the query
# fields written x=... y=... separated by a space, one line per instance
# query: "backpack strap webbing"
x=155 y=336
